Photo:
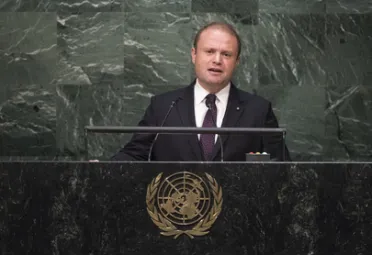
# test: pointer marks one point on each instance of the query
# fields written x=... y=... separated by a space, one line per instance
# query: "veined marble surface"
x=67 y=64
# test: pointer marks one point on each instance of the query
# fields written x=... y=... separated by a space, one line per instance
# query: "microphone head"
x=174 y=102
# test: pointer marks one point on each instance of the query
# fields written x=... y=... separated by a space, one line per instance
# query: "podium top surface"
x=185 y=162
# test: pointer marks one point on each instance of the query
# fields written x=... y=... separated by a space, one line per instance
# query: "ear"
x=193 y=54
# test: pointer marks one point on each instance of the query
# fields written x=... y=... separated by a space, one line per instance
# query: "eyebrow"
x=214 y=49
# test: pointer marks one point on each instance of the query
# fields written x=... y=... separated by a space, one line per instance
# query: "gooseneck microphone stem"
x=283 y=146
x=162 y=124
x=219 y=136
x=152 y=146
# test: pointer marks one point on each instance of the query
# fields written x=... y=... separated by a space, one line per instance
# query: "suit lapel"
x=186 y=112
x=233 y=113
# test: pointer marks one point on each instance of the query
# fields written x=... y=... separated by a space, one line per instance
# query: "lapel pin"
x=237 y=108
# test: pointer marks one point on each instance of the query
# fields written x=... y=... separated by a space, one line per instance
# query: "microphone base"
x=257 y=157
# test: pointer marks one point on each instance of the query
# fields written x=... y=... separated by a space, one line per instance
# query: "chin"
x=216 y=82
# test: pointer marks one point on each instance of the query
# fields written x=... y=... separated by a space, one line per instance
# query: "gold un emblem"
x=184 y=203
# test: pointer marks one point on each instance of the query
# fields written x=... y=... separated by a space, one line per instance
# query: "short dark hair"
x=221 y=25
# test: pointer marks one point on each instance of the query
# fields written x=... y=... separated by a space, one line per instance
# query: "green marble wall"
x=67 y=64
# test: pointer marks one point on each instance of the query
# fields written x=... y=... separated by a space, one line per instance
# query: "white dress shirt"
x=201 y=109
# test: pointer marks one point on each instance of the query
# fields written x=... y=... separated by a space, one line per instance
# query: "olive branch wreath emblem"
x=167 y=227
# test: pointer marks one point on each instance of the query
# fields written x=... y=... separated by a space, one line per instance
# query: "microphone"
x=209 y=105
x=174 y=102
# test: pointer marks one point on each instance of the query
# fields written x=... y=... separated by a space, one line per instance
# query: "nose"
x=217 y=58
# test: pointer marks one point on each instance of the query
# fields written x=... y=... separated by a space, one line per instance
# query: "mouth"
x=215 y=70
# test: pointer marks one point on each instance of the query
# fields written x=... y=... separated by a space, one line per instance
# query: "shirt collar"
x=200 y=93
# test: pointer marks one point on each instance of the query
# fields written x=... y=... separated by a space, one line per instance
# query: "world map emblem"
x=184 y=203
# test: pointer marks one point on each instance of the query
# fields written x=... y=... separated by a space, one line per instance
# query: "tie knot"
x=210 y=100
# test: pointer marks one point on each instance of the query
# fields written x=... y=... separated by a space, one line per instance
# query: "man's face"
x=215 y=58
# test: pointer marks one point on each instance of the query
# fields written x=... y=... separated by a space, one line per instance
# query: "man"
x=211 y=99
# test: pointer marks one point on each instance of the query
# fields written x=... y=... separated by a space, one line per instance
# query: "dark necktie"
x=207 y=140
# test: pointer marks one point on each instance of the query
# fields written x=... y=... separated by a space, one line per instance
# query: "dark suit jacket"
x=243 y=110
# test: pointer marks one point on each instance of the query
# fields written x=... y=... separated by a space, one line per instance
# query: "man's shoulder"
x=171 y=94
x=252 y=97
x=174 y=94
x=166 y=98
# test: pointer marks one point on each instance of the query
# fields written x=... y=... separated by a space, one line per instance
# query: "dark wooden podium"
x=121 y=208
